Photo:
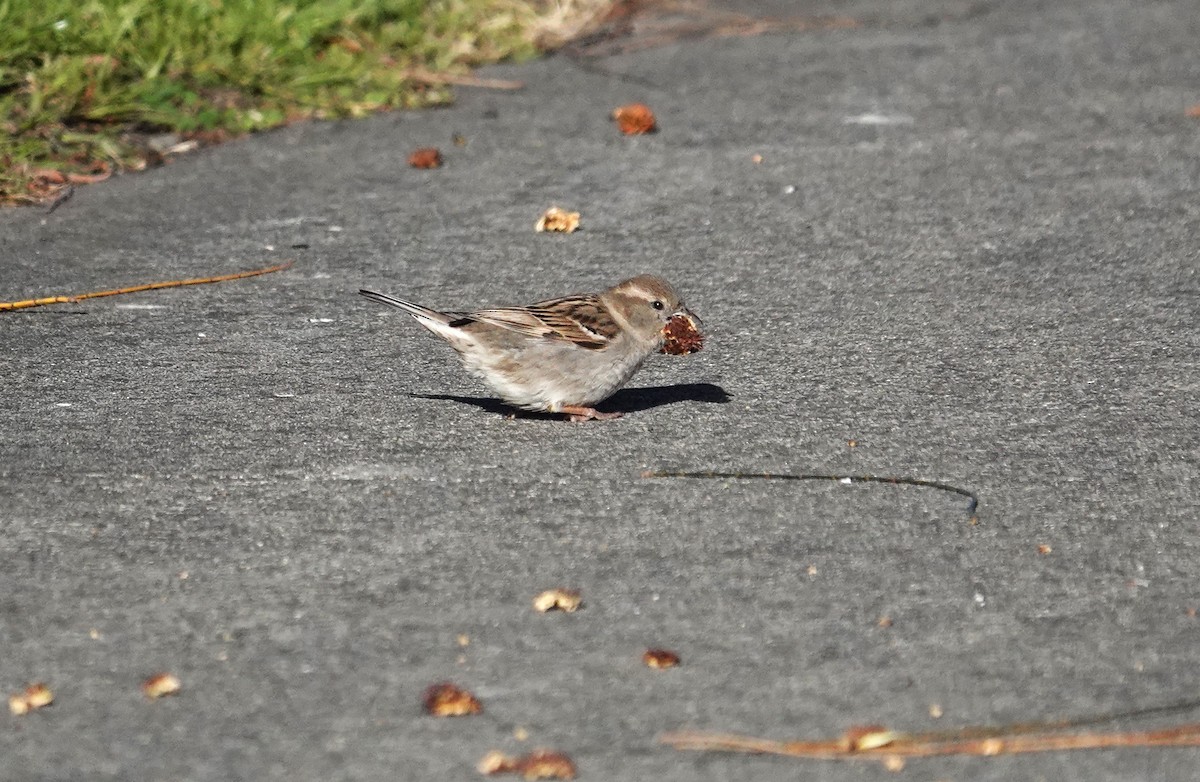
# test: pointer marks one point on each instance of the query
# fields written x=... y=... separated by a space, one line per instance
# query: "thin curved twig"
x=973 y=499
x=6 y=306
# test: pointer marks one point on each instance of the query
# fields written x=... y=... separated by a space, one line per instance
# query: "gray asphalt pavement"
x=970 y=247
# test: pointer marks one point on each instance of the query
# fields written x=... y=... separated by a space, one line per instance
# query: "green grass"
x=83 y=83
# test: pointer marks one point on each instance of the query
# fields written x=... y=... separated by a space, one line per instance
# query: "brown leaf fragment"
x=426 y=157
x=35 y=696
x=39 y=695
x=635 y=119
x=539 y=764
x=558 y=220
x=496 y=762
x=161 y=684
x=568 y=600
x=445 y=699
x=546 y=764
x=660 y=658
x=1193 y=111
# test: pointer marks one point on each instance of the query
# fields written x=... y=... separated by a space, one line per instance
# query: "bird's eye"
x=658 y=305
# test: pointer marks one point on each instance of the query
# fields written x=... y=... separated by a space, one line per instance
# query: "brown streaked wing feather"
x=581 y=320
x=573 y=314
x=513 y=319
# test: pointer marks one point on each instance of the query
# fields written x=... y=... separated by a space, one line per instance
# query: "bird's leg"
x=578 y=414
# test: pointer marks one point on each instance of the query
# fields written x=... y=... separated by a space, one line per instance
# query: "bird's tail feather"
x=416 y=310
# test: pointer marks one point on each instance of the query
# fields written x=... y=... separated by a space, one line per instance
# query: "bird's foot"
x=578 y=414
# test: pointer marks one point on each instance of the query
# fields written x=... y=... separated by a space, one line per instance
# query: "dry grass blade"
x=934 y=744
x=153 y=286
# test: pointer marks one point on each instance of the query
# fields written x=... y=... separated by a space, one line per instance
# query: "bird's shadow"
x=627 y=400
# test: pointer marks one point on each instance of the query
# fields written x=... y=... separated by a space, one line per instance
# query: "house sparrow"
x=562 y=355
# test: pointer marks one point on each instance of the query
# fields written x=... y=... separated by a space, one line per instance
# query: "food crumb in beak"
x=681 y=336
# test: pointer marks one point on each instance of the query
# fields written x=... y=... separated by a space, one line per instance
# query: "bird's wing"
x=581 y=320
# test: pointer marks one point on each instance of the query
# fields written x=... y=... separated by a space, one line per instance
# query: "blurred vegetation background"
x=89 y=87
